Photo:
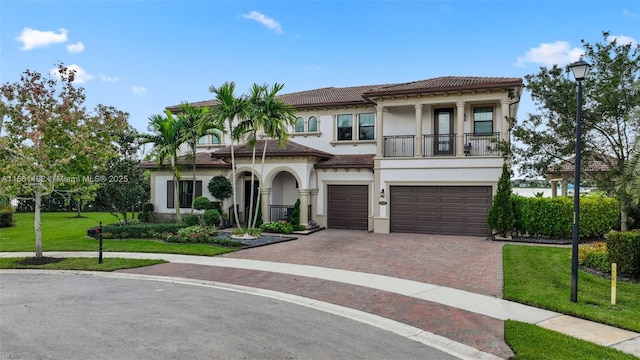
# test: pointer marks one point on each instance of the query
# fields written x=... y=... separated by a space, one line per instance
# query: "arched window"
x=299 y=124
x=313 y=124
x=203 y=140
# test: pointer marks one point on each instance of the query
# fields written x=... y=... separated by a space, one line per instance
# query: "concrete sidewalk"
x=482 y=305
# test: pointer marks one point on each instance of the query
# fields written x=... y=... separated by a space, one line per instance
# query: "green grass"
x=89 y=264
x=65 y=232
x=541 y=276
x=531 y=342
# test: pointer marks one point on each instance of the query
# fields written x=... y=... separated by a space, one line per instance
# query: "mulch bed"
x=39 y=261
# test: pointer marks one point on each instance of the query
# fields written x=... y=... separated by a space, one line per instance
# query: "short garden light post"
x=580 y=69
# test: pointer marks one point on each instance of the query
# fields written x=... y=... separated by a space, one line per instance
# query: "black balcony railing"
x=439 y=145
x=283 y=212
x=481 y=144
x=399 y=146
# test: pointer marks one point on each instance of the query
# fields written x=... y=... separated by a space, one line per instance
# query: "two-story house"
x=410 y=157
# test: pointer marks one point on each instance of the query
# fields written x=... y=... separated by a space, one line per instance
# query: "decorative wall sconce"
x=382 y=193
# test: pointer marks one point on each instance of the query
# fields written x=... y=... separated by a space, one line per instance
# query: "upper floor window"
x=345 y=127
x=483 y=120
x=313 y=124
x=209 y=140
x=366 y=123
x=299 y=125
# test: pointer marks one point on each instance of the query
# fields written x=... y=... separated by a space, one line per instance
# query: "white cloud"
x=32 y=39
x=623 y=40
x=549 y=54
x=75 y=48
x=313 y=67
x=81 y=75
x=138 y=90
x=629 y=13
x=264 y=20
x=108 y=79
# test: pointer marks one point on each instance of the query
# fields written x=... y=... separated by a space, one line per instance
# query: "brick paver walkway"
x=467 y=263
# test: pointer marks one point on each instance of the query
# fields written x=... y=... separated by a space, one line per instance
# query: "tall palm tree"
x=268 y=114
x=227 y=108
x=167 y=136
x=196 y=124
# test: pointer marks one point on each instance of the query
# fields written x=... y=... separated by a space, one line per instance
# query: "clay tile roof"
x=567 y=166
x=290 y=148
x=359 y=95
x=446 y=83
x=203 y=160
x=347 y=161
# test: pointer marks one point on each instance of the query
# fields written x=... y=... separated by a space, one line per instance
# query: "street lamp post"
x=580 y=69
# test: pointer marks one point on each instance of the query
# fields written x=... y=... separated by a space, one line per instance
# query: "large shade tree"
x=166 y=135
x=47 y=134
x=609 y=117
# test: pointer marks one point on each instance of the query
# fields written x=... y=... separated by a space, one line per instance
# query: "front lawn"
x=531 y=342
x=541 y=276
x=88 y=264
x=64 y=232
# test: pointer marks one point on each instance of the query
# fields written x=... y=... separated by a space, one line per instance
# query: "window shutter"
x=170 y=194
x=198 y=188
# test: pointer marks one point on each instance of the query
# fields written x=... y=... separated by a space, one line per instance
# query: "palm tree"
x=269 y=114
x=227 y=108
x=167 y=136
x=196 y=125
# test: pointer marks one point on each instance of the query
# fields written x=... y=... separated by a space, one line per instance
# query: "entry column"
x=304 y=207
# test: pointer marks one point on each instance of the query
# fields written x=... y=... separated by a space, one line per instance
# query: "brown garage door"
x=452 y=210
x=348 y=207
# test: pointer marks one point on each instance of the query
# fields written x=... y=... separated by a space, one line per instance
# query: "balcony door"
x=443 y=144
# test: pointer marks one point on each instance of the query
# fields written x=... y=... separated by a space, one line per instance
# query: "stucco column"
x=459 y=128
x=313 y=193
x=264 y=204
x=563 y=187
x=304 y=207
x=505 y=128
x=334 y=121
x=379 y=132
x=418 y=138
x=554 y=188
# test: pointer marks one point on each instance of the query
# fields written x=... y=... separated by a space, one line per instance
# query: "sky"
x=142 y=56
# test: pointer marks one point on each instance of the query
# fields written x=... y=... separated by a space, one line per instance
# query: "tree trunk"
x=79 y=208
x=37 y=225
x=176 y=189
x=193 y=195
x=264 y=155
x=233 y=184
x=250 y=223
x=624 y=216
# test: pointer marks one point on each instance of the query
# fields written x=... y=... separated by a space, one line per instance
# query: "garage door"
x=348 y=207
x=451 y=210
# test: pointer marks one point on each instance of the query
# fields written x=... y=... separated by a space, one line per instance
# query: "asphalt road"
x=77 y=316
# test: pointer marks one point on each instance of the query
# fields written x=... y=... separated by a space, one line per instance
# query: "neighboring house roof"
x=363 y=161
x=360 y=95
x=203 y=160
x=290 y=148
x=567 y=167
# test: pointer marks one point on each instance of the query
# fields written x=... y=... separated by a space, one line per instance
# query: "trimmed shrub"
x=191 y=219
x=148 y=207
x=553 y=217
x=211 y=217
x=220 y=187
x=141 y=230
x=147 y=213
x=295 y=214
x=6 y=216
x=594 y=256
x=202 y=203
x=624 y=250
x=277 y=227
x=501 y=217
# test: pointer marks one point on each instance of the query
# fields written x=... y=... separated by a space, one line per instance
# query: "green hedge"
x=140 y=230
x=553 y=217
x=6 y=216
x=623 y=249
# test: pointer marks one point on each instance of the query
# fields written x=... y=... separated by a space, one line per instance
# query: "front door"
x=443 y=143
x=247 y=197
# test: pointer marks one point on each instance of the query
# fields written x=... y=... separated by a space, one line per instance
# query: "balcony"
x=441 y=145
x=481 y=144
